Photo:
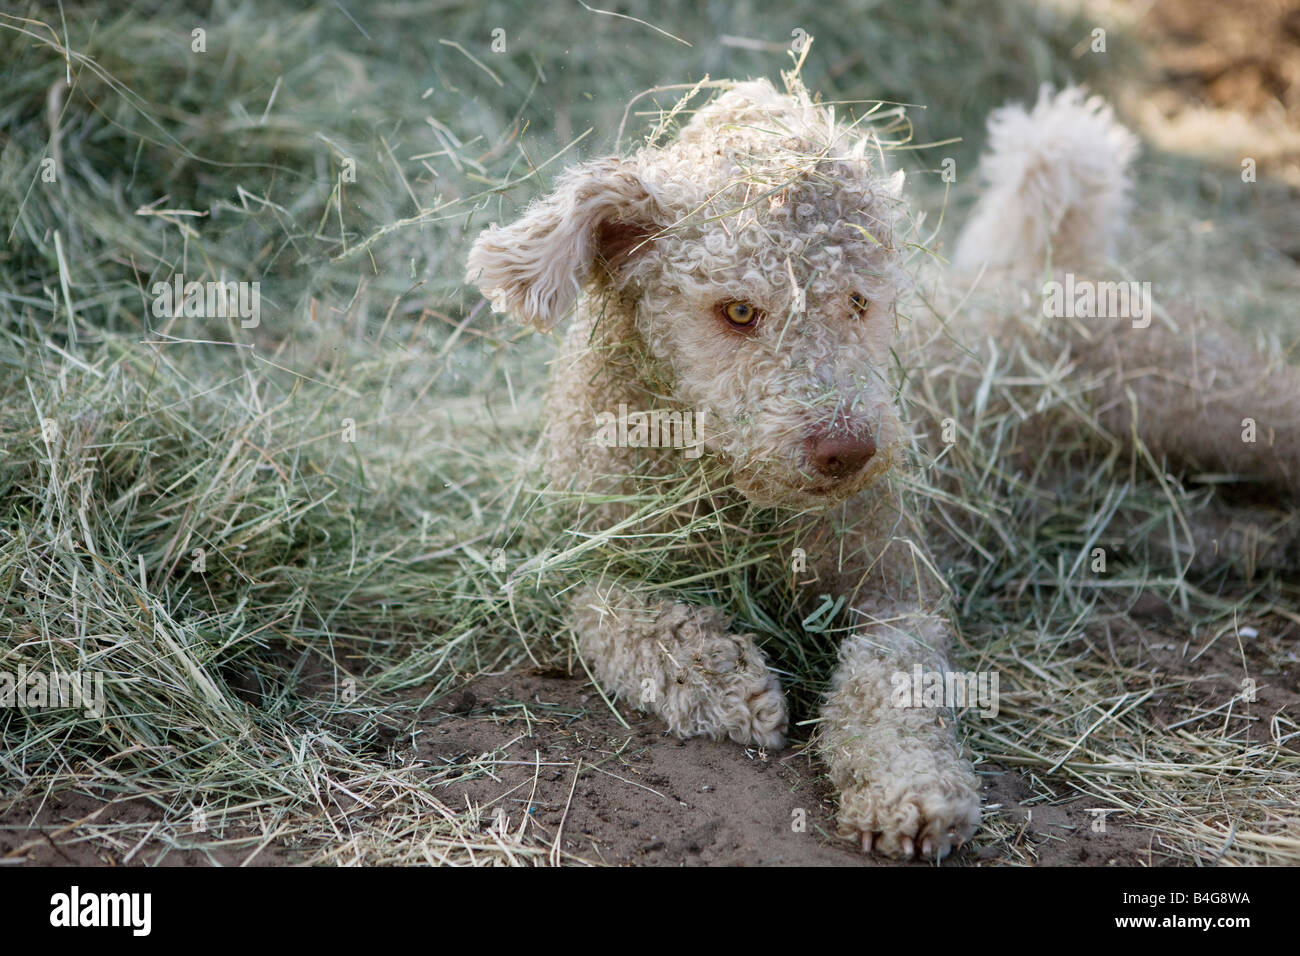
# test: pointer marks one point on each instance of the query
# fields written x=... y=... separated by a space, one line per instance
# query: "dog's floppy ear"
x=601 y=213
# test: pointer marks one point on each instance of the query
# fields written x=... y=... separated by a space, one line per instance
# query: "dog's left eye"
x=739 y=315
x=860 y=304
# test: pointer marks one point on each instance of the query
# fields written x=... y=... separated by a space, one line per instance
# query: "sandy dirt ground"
x=619 y=795
x=615 y=795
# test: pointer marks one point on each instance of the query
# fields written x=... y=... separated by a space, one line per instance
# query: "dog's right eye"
x=737 y=314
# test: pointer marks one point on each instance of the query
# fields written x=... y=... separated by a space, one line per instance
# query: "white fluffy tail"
x=1056 y=183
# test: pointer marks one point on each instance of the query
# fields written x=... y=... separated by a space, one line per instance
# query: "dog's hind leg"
x=1201 y=396
x=1204 y=399
x=681 y=662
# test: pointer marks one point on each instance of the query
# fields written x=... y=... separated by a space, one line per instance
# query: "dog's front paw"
x=904 y=787
x=927 y=808
x=726 y=687
x=766 y=717
x=683 y=663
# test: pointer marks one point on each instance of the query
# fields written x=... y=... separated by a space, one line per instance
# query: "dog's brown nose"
x=839 y=456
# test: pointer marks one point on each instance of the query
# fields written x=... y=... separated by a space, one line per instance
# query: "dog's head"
x=759 y=251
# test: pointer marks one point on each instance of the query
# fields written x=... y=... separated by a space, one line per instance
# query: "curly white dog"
x=748 y=271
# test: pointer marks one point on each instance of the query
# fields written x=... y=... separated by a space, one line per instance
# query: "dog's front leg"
x=904 y=787
x=681 y=662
